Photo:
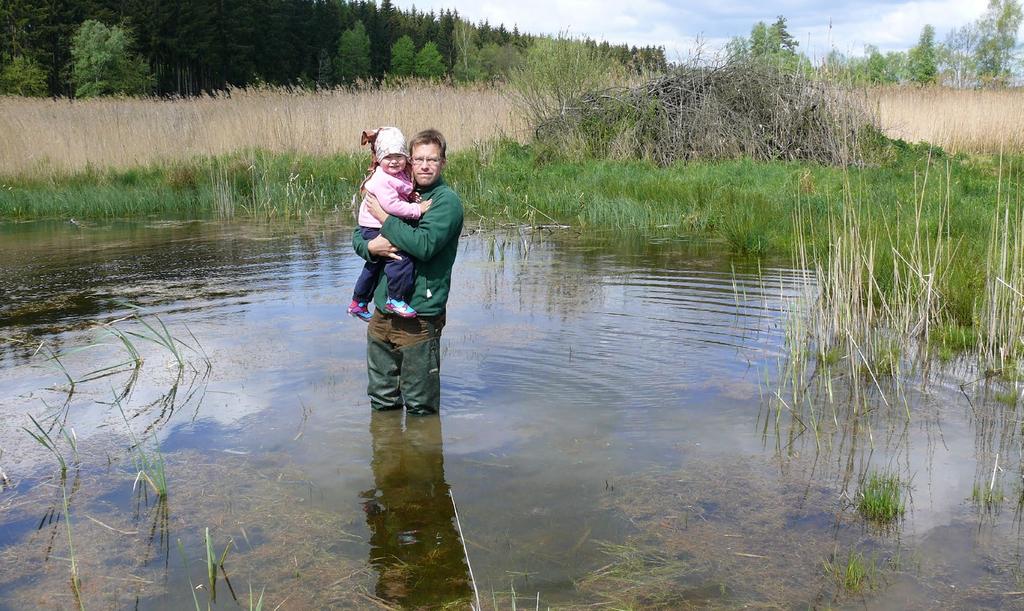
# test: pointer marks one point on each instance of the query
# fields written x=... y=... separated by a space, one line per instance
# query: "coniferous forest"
x=189 y=47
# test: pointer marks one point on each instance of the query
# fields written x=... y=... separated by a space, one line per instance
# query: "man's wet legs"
x=403 y=358
x=383 y=362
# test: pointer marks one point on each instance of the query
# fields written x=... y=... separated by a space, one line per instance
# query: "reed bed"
x=889 y=293
x=958 y=120
x=44 y=136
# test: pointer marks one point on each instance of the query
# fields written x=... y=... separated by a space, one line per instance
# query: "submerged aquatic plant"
x=43 y=438
x=161 y=336
x=149 y=466
x=879 y=498
x=853 y=573
x=636 y=575
x=255 y=604
x=188 y=575
x=212 y=564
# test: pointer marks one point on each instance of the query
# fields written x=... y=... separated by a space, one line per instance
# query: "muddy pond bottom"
x=604 y=438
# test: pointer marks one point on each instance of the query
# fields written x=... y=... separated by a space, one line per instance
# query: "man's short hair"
x=429 y=136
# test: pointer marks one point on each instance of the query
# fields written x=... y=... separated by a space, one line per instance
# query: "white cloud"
x=846 y=25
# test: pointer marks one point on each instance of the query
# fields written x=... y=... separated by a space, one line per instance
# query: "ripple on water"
x=594 y=392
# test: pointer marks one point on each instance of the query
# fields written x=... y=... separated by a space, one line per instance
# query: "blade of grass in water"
x=191 y=586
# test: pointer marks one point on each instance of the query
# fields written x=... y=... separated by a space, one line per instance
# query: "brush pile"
x=736 y=109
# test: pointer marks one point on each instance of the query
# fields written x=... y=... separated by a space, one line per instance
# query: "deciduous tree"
x=429 y=63
x=23 y=76
x=923 y=58
x=104 y=64
x=353 y=59
x=957 y=56
x=998 y=39
x=403 y=57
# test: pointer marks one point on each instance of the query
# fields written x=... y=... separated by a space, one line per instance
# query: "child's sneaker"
x=358 y=309
x=397 y=306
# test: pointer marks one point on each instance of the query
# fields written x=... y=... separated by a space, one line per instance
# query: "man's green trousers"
x=403 y=362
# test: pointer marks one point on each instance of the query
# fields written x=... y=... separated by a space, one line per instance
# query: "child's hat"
x=386 y=141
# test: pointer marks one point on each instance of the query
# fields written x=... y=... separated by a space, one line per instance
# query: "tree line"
x=188 y=47
x=977 y=54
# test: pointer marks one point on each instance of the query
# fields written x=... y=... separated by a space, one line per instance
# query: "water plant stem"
x=465 y=551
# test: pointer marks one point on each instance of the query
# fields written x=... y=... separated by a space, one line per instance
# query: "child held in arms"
x=390 y=182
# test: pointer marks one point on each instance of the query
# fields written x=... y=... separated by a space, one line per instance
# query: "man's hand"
x=381 y=247
x=374 y=208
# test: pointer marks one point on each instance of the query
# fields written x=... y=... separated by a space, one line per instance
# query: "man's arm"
x=434 y=231
x=359 y=244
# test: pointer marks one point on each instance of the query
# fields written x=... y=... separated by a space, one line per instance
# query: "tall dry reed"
x=42 y=136
x=1002 y=314
x=959 y=120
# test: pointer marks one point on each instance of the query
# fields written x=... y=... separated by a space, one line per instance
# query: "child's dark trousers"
x=399 y=274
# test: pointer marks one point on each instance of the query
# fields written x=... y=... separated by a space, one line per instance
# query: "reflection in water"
x=414 y=545
x=649 y=443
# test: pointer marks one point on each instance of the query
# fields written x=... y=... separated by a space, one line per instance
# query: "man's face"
x=426 y=164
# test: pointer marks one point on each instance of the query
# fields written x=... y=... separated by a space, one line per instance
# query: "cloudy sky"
x=678 y=25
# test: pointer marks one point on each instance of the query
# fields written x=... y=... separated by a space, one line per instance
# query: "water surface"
x=604 y=434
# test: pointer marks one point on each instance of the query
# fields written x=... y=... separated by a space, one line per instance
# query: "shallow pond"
x=604 y=435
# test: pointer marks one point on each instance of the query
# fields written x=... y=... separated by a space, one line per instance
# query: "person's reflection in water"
x=414 y=543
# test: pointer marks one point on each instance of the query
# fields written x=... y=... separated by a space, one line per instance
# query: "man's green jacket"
x=432 y=243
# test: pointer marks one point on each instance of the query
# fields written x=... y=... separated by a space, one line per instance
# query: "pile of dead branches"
x=736 y=109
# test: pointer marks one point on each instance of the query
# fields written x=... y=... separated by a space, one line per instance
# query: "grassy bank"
x=254 y=183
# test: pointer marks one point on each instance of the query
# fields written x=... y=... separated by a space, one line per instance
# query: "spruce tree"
x=781 y=34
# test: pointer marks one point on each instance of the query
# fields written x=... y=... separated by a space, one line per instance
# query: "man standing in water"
x=403 y=355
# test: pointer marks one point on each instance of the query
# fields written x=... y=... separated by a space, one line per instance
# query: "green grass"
x=748 y=205
x=149 y=465
x=886 y=356
x=212 y=564
x=1008 y=398
x=987 y=497
x=879 y=498
x=830 y=357
x=250 y=183
x=42 y=436
x=952 y=339
x=851 y=574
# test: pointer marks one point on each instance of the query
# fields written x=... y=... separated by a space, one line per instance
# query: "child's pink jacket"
x=393 y=194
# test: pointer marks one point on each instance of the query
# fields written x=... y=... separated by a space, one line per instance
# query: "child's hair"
x=369 y=136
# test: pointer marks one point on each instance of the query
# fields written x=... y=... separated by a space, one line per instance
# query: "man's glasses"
x=426 y=160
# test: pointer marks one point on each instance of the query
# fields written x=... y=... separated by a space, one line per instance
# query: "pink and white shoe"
x=359 y=310
x=397 y=306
